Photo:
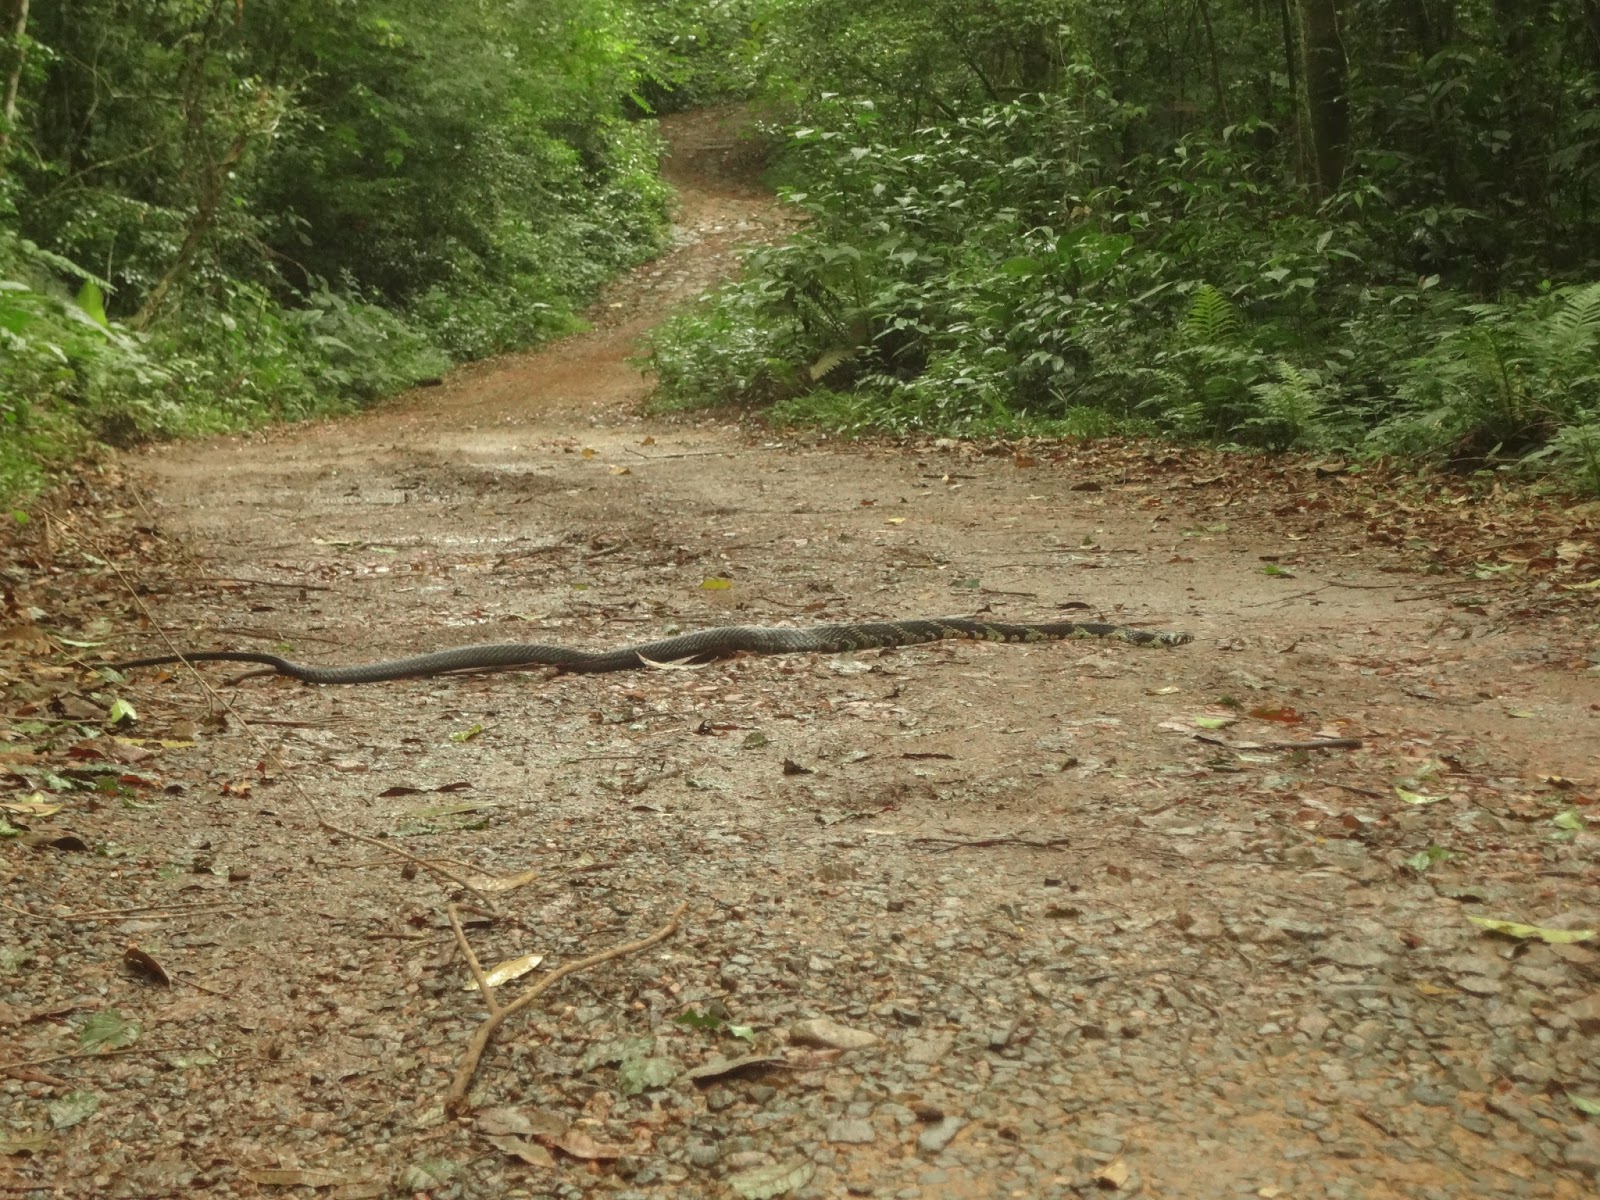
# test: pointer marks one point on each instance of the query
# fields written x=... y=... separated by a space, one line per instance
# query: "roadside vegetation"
x=1362 y=228
x=1368 y=227
x=215 y=214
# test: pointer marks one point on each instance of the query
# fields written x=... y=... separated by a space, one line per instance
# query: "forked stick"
x=455 y=1100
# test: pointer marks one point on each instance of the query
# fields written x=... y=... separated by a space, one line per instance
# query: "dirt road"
x=1082 y=917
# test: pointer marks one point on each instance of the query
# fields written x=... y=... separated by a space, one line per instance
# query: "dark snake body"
x=704 y=646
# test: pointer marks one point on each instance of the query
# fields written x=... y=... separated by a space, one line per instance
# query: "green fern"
x=1212 y=319
x=1575 y=326
x=1577 y=447
x=1290 y=407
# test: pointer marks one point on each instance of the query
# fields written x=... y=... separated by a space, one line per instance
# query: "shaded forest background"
x=1366 y=226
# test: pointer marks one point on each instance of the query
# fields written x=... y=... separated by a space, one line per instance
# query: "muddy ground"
x=1080 y=917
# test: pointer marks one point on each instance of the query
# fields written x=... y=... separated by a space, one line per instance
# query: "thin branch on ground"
x=943 y=845
x=7 y=1068
x=455 y=1100
x=1359 y=791
x=1313 y=744
x=148 y=912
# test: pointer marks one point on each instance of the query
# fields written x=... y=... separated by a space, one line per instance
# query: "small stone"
x=1537 y=1074
x=704 y=1154
x=1480 y=985
x=719 y=1098
x=1516 y=1112
x=1112 y=1176
x=1583 y=956
x=936 y=1137
x=1202 y=927
x=1583 y=1151
x=1313 y=1024
x=852 y=1131
x=1354 y=954
x=1585 y=1014
x=820 y=1031
x=1433 y=1097
x=928 y=1050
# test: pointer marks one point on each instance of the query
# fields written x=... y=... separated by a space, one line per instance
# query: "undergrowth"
x=949 y=281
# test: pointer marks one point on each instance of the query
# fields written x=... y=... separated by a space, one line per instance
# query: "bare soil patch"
x=1107 y=927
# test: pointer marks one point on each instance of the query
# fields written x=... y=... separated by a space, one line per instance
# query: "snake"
x=703 y=646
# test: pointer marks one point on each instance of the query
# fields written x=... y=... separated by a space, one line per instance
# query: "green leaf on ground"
x=1423 y=859
x=107 y=1030
x=635 y=1075
x=1515 y=929
x=73 y=1109
x=1411 y=797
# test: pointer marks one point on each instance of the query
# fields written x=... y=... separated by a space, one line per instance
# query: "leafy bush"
x=1519 y=377
x=964 y=279
x=294 y=208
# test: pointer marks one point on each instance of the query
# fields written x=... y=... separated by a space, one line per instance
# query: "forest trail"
x=1105 y=931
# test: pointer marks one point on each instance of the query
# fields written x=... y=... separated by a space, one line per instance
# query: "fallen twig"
x=8 y=1068
x=310 y=587
x=1360 y=791
x=455 y=1100
x=148 y=912
x=944 y=845
x=1314 y=744
x=678 y=454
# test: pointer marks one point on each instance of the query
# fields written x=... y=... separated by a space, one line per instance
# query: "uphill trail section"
x=963 y=920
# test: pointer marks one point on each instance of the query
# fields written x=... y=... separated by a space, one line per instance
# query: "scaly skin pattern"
x=703 y=646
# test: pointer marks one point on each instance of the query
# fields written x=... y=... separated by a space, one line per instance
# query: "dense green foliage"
x=1322 y=224
x=1364 y=224
x=276 y=209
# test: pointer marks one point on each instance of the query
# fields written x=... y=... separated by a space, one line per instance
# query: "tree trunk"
x=19 y=56
x=211 y=195
x=1216 y=63
x=1327 y=98
x=1291 y=68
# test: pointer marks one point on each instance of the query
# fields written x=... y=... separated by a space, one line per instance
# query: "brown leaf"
x=579 y=1144
x=722 y=1068
x=140 y=963
x=529 y=1152
x=286 y=1177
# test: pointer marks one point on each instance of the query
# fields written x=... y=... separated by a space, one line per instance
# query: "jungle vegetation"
x=1359 y=226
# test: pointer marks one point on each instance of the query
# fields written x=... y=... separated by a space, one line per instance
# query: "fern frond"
x=1575 y=326
x=1212 y=319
